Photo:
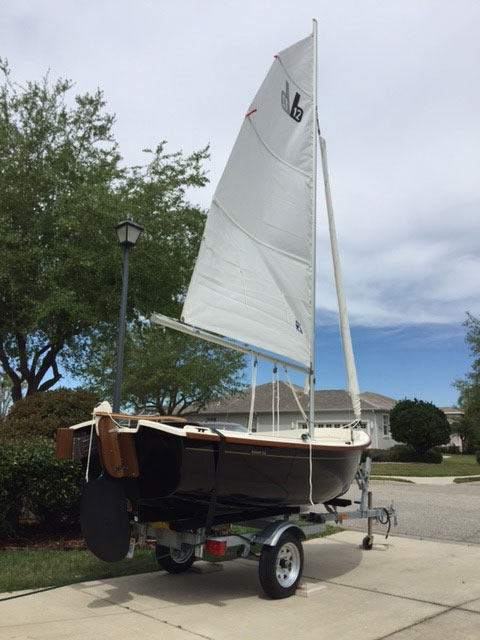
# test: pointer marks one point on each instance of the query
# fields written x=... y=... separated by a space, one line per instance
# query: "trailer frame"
x=279 y=535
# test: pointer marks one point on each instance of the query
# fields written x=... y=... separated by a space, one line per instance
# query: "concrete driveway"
x=407 y=589
x=441 y=512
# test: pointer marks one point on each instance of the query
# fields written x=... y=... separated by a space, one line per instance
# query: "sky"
x=399 y=107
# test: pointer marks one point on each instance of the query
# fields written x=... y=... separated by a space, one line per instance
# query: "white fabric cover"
x=252 y=281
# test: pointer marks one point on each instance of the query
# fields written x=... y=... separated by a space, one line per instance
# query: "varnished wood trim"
x=275 y=444
x=64 y=444
x=129 y=455
x=109 y=447
x=125 y=416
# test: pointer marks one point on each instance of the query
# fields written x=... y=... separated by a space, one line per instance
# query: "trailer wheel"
x=174 y=560
x=367 y=543
x=280 y=568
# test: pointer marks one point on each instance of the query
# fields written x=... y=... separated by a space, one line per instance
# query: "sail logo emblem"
x=298 y=326
x=294 y=111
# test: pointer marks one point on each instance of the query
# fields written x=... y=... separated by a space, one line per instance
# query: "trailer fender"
x=271 y=534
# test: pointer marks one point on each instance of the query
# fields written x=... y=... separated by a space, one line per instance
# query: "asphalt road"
x=448 y=512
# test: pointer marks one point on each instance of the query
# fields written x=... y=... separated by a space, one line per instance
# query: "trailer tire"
x=173 y=560
x=281 y=566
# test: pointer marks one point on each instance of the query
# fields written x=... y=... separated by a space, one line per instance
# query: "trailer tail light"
x=216 y=547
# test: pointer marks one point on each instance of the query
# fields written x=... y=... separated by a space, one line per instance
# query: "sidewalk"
x=403 y=590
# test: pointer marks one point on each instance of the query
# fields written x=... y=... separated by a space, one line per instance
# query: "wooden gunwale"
x=125 y=416
x=276 y=444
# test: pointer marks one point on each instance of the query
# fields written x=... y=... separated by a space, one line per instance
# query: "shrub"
x=32 y=478
x=449 y=450
x=431 y=457
x=470 y=450
x=402 y=453
x=41 y=414
x=377 y=455
x=420 y=424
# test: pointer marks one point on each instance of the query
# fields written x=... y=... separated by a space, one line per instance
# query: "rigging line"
x=219 y=460
x=351 y=425
x=89 y=452
x=278 y=403
x=292 y=79
x=118 y=428
x=254 y=386
x=273 y=401
x=310 y=474
x=257 y=240
x=304 y=415
x=277 y=157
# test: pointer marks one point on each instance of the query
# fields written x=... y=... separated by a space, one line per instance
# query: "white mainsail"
x=252 y=281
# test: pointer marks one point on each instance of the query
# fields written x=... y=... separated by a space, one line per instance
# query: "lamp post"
x=127 y=233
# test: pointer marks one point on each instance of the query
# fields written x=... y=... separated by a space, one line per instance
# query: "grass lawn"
x=27 y=569
x=387 y=479
x=462 y=480
x=455 y=465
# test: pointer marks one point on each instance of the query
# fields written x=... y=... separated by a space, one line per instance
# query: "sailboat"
x=252 y=289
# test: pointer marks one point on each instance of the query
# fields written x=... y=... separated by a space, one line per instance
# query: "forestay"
x=252 y=281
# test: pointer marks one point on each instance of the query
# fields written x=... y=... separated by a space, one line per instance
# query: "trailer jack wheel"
x=280 y=568
x=175 y=560
x=367 y=543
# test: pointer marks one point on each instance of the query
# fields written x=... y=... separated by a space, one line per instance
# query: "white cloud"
x=399 y=106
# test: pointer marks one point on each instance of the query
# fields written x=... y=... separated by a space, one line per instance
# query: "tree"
x=469 y=388
x=41 y=414
x=56 y=167
x=5 y=395
x=165 y=371
x=467 y=429
x=419 y=424
x=62 y=190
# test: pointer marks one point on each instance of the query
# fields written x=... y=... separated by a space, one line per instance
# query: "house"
x=332 y=409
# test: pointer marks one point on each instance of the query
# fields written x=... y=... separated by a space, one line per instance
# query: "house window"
x=386 y=425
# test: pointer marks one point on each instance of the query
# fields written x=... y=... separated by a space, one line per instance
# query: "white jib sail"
x=252 y=281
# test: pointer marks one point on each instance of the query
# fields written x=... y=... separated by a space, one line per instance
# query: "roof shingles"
x=324 y=400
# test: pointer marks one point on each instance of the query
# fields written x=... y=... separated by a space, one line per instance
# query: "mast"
x=311 y=377
x=342 y=305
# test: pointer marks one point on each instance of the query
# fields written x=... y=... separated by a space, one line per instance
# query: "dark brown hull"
x=178 y=475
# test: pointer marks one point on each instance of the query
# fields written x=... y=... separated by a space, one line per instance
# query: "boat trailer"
x=274 y=540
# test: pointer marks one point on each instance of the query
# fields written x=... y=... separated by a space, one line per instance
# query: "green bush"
x=431 y=457
x=32 y=478
x=449 y=449
x=419 y=424
x=377 y=455
x=470 y=450
x=402 y=453
x=41 y=414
